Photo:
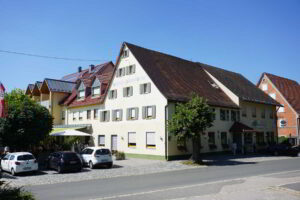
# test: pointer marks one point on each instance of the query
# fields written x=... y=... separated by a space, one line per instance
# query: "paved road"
x=167 y=185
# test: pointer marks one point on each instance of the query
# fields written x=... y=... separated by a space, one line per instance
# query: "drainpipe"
x=298 y=127
x=276 y=124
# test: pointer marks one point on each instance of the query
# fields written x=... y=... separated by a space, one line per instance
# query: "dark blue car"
x=64 y=161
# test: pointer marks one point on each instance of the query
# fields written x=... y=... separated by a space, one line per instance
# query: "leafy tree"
x=27 y=123
x=189 y=121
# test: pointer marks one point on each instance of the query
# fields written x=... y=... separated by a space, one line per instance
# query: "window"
x=273 y=95
x=74 y=116
x=211 y=138
x=145 y=88
x=12 y=157
x=127 y=91
x=125 y=54
x=121 y=72
x=224 y=138
x=81 y=94
x=281 y=109
x=132 y=113
x=235 y=116
x=244 y=111
x=112 y=94
x=131 y=139
x=150 y=140
x=149 y=112
x=101 y=140
x=63 y=115
x=96 y=91
x=130 y=69
x=265 y=87
x=260 y=138
x=117 y=115
x=224 y=115
x=96 y=113
x=80 y=115
x=104 y=117
x=88 y=114
x=213 y=116
x=254 y=112
x=263 y=113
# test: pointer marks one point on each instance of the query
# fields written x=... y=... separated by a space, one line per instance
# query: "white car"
x=96 y=156
x=19 y=162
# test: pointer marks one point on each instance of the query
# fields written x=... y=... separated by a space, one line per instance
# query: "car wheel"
x=12 y=171
x=91 y=165
x=59 y=170
x=79 y=170
x=276 y=153
x=109 y=165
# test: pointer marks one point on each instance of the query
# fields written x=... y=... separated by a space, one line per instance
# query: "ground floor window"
x=224 y=140
x=131 y=139
x=101 y=140
x=212 y=140
x=260 y=138
x=150 y=140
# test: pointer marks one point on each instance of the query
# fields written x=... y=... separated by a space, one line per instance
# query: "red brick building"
x=287 y=93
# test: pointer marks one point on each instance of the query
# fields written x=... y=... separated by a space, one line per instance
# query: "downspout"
x=298 y=128
x=276 y=124
x=166 y=132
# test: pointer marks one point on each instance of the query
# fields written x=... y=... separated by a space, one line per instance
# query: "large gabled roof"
x=239 y=85
x=29 y=89
x=290 y=89
x=177 y=78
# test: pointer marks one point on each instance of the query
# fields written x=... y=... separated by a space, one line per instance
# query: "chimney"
x=91 y=68
x=79 y=69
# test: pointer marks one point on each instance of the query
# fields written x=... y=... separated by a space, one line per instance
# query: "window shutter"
x=113 y=115
x=141 y=89
x=136 y=113
x=148 y=87
x=131 y=91
x=123 y=72
x=117 y=74
x=127 y=70
x=115 y=94
x=121 y=114
x=133 y=69
x=153 y=112
x=124 y=92
x=101 y=116
x=110 y=94
x=127 y=114
x=108 y=116
x=144 y=112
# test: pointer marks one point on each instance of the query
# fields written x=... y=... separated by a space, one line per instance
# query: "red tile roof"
x=290 y=89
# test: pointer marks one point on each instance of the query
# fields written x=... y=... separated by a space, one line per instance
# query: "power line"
x=50 y=57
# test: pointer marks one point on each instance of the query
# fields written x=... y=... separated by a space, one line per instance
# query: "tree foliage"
x=26 y=124
x=190 y=120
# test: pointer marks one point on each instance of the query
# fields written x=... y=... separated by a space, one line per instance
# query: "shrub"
x=120 y=155
x=8 y=192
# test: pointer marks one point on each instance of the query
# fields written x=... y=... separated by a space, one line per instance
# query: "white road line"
x=190 y=186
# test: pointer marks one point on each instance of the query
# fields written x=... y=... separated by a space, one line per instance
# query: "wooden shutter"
x=144 y=112
x=121 y=114
x=127 y=70
x=142 y=89
x=117 y=73
x=101 y=116
x=127 y=113
x=110 y=94
x=124 y=92
x=123 y=71
x=136 y=113
x=131 y=91
x=115 y=94
x=148 y=88
x=113 y=115
x=108 y=116
x=153 y=112
x=133 y=69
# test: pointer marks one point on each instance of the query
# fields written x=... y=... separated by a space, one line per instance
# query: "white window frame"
x=101 y=144
x=264 y=87
x=98 y=89
x=132 y=139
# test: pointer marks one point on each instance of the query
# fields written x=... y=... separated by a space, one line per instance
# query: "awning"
x=69 y=131
x=239 y=127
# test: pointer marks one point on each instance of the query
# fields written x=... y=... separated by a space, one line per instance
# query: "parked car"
x=96 y=156
x=19 y=162
x=283 y=149
x=63 y=161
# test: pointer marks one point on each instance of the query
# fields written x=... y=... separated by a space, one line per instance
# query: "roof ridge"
x=266 y=73
x=59 y=80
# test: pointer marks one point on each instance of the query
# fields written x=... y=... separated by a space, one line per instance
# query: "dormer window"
x=125 y=54
x=96 y=89
x=81 y=91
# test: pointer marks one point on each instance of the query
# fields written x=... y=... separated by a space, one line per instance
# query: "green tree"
x=27 y=123
x=189 y=121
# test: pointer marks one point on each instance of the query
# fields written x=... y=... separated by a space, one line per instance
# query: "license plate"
x=26 y=168
x=105 y=160
x=73 y=162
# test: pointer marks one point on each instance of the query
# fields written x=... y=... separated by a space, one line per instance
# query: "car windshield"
x=102 y=152
x=25 y=157
x=70 y=156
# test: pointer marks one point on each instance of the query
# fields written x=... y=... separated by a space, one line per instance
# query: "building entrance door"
x=114 y=143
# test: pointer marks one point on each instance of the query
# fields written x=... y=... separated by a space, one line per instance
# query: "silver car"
x=96 y=156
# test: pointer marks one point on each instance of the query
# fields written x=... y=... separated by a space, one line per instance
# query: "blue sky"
x=249 y=37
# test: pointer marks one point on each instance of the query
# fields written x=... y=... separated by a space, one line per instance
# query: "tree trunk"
x=196 y=149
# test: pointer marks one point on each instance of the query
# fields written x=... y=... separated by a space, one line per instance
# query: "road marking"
x=190 y=186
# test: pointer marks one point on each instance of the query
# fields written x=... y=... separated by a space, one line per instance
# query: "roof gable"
x=96 y=83
x=81 y=86
x=59 y=85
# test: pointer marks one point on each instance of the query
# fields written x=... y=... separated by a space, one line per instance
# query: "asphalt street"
x=167 y=185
